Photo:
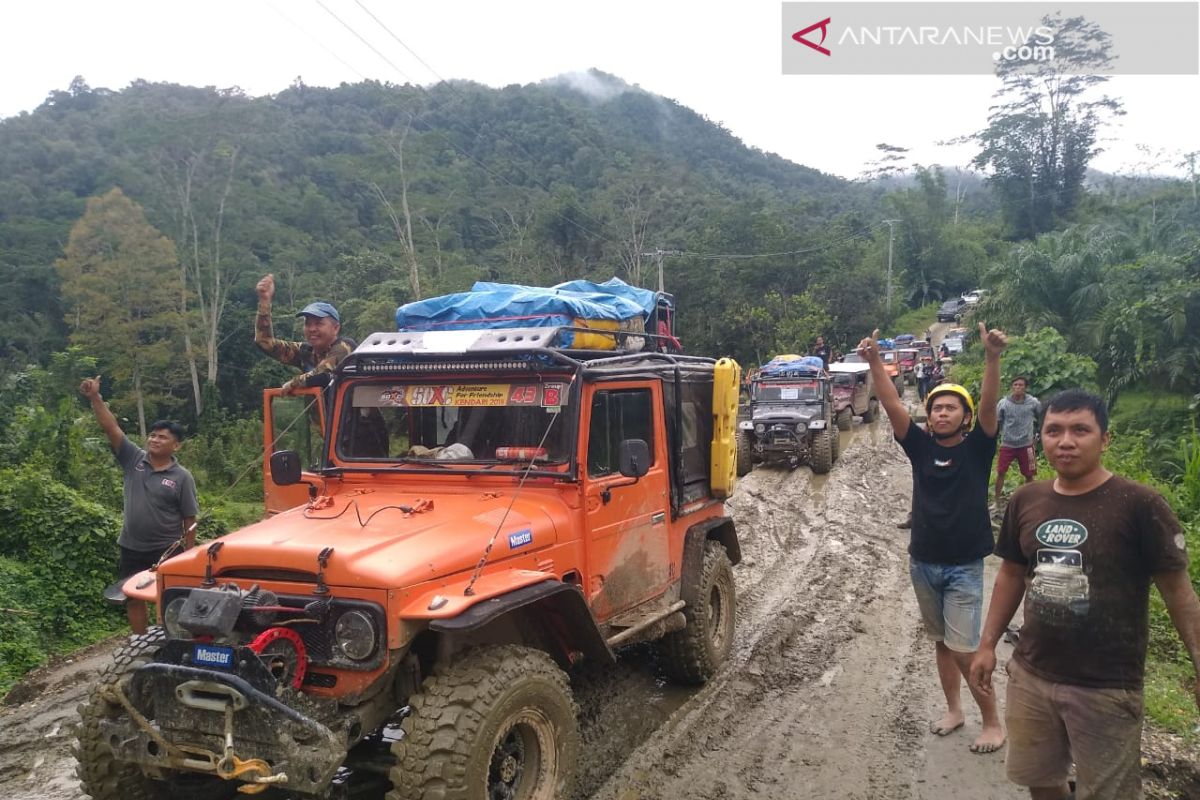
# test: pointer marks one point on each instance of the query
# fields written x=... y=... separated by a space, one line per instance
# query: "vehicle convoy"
x=457 y=519
x=853 y=394
x=791 y=418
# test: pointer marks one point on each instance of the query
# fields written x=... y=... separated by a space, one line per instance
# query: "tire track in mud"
x=821 y=591
x=36 y=736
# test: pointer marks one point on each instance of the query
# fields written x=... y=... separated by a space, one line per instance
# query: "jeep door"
x=629 y=558
x=862 y=392
x=292 y=422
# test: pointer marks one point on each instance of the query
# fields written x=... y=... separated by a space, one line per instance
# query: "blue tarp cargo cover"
x=782 y=367
x=502 y=305
x=645 y=298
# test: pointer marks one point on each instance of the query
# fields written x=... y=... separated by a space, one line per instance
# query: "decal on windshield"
x=549 y=395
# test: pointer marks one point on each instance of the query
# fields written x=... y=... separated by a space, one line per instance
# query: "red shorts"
x=1026 y=459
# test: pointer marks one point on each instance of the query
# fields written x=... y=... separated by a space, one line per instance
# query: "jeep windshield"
x=789 y=391
x=451 y=425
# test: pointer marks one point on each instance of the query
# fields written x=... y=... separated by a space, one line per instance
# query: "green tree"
x=1043 y=130
x=1057 y=281
x=119 y=279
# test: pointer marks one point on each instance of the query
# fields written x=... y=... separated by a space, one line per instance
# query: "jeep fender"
x=719 y=529
x=557 y=608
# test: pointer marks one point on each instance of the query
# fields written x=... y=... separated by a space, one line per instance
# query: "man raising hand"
x=320 y=352
x=951 y=528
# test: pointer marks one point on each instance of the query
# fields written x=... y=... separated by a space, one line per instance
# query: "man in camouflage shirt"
x=320 y=352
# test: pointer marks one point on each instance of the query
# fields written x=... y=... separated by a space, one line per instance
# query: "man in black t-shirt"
x=951 y=529
x=821 y=350
x=1082 y=551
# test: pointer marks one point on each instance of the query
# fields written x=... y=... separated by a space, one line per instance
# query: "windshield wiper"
x=425 y=462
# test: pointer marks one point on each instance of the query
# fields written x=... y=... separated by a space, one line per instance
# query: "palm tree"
x=1057 y=281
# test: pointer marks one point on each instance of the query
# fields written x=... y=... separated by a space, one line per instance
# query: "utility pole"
x=657 y=255
x=891 y=223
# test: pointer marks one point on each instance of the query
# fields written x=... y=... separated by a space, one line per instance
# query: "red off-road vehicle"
x=457 y=519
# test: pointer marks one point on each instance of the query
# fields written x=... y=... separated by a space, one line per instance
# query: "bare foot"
x=947 y=724
x=990 y=740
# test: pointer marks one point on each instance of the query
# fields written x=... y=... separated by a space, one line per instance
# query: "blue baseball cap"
x=319 y=310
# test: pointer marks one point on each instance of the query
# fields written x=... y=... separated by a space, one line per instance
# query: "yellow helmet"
x=952 y=388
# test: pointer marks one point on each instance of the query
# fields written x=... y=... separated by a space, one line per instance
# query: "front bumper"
x=187 y=708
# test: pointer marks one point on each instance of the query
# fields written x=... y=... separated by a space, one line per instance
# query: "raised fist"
x=869 y=346
x=90 y=387
x=994 y=340
x=266 y=288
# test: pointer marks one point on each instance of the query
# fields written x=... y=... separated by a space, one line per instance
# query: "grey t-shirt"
x=156 y=501
x=1017 y=420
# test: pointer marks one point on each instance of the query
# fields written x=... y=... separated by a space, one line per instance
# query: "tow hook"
x=254 y=772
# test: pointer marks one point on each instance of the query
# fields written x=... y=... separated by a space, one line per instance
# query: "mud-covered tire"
x=101 y=775
x=745 y=454
x=694 y=654
x=845 y=419
x=872 y=412
x=821 y=454
x=493 y=713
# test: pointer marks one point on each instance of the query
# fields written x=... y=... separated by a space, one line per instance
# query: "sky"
x=721 y=58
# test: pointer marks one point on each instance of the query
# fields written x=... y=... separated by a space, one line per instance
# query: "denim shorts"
x=951 y=601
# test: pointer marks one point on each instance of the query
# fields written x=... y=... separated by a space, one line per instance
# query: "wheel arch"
x=553 y=613
x=718 y=529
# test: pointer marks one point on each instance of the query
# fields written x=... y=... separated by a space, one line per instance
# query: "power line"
x=316 y=41
x=742 y=256
x=438 y=107
x=401 y=41
x=359 y=36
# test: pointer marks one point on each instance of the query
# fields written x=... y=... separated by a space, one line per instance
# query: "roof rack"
x=491 y=348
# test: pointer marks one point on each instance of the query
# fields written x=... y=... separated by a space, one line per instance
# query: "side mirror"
x=285 y=467
x=633 y=458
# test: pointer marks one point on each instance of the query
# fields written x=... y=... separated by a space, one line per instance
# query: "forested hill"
x=340 y=192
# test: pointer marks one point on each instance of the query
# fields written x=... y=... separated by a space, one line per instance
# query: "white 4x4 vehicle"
x=974 y=296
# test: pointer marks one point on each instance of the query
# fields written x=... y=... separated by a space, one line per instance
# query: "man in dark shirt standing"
x=951 y=529
x=160 y=496
x=821 y=350
x=1082 y=551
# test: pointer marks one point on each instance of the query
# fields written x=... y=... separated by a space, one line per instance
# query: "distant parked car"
x=974 y=296
x=951 y=310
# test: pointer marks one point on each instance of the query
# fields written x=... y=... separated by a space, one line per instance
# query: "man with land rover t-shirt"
x=1082 y=550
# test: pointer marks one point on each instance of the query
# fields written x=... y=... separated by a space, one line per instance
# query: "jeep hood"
x=786 y=413
x=440 y=534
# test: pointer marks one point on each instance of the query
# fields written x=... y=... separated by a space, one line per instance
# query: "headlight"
x=355 y=633
x=799 y=427
x=171 y=618
x=760 y=428
x=816 y=425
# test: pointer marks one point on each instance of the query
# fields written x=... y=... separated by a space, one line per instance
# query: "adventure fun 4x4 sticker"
x=1061 y=533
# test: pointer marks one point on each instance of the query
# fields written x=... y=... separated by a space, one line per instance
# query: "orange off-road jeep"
x=457 y=519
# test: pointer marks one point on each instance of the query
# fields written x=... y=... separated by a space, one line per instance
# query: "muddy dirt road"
x=828 y=692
